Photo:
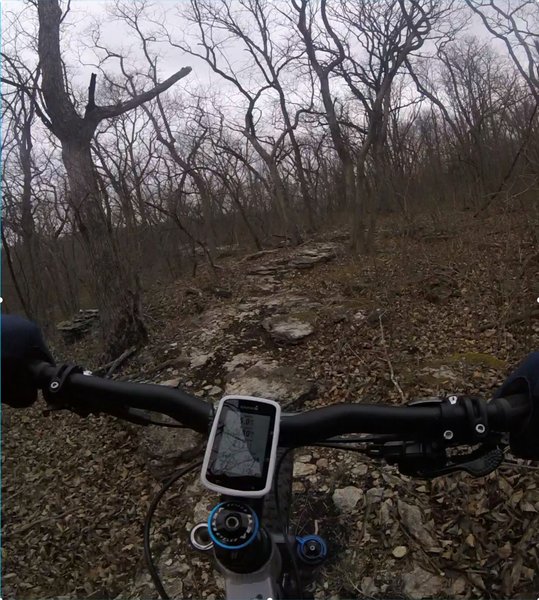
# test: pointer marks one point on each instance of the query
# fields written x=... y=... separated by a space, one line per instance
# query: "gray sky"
x=117 y=36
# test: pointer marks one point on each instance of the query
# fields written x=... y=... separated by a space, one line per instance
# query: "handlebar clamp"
x=474 y=429
x=53 y=392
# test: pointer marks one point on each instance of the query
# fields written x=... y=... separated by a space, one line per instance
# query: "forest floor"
x=440 y=308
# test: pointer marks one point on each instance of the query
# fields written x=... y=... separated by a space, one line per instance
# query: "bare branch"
x=108 y=112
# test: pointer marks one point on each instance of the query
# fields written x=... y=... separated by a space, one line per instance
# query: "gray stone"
x=269 y=380
x=412 y=519
x=309 y=257
x=400 y=551
x=171 y=382
x=438 y=375
x=360 y=316
x=200 y=360
x=304 y=469
x=287 y=329
x=421 y=584
x=286 y=301
x=346 y=499
x=368 y=587
x=375 y=494
x=386 y=509
x=360 y=470
x=79 y=326
x=165 y=448
x=271 y=268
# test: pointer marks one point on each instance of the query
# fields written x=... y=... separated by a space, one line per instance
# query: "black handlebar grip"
x=22 y=342
x=524 y=441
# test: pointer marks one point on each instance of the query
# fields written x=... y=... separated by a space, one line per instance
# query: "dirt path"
x=421 y=318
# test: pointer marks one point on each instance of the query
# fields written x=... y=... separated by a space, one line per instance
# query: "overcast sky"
x=117 y=36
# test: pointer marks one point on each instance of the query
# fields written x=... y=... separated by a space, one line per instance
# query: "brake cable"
x=154 y=573
x=144 y=419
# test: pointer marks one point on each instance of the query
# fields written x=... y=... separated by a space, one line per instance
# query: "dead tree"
x=115 y=287
x=516 y=25
x=206 y=17
x=387 y=33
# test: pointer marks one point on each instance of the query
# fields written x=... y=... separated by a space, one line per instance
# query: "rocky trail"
x=309 y=326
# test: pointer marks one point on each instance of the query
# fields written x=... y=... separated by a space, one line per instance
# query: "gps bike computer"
x=242 y=447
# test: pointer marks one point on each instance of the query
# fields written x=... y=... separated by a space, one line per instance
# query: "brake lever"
x=478 y=463
x=429 y=459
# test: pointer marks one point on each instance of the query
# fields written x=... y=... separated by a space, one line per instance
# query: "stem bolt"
x=452 y=399
x=55 y=385
x=448 y=434
x=480 y=428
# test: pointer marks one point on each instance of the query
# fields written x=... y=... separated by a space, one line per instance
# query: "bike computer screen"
x=241 y=451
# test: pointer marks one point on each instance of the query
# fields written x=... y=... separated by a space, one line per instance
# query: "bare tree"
x=118 y=297
x=255 y=24
x=210 y=19
x=386 y=32
x=18 y=115
x=516 y=24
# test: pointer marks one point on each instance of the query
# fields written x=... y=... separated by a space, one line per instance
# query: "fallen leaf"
x=458 y=586
x=505 y=551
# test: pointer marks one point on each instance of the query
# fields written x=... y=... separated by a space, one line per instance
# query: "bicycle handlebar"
x=190 y=410
x=94 y=394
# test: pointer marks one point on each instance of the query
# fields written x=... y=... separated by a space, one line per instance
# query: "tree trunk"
x=114 y=285
x=12 y=272
x=38 y=299
x=235 y=195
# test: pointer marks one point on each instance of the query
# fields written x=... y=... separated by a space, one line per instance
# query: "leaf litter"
x=75 y=491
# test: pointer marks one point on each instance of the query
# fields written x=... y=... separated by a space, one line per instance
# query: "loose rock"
x=400 y=551
x=287 y=329
x=269 y=380
x=345 y=499
x=412 y=518
x=79 y=326
x=304 y=469
x=200 y=360
x=310 y=257
x=171 y=382
x=165 y=449
x=368 y=586
x=422 y=584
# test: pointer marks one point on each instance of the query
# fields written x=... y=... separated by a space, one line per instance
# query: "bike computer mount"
x=242 y=447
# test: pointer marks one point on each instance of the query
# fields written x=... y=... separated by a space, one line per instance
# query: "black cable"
x=343 y=447
x=283 y=526
x=160 y=424
x=154 y=573
x=364 y=438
